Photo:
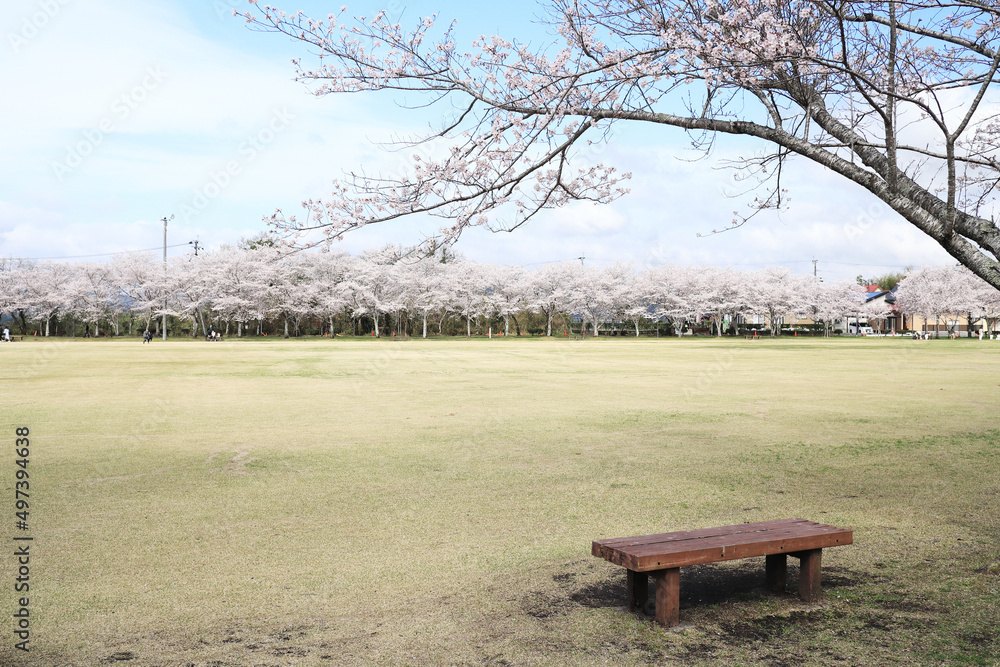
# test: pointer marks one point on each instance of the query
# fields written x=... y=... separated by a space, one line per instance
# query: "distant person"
x=147 y=337
x=6 y=335
x=86 y=331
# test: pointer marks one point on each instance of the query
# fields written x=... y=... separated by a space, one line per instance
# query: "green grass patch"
x=375 y=502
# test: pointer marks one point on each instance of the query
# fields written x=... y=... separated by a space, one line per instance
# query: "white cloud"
x=587 y=219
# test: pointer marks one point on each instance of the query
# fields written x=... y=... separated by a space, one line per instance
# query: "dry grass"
x=370 y=502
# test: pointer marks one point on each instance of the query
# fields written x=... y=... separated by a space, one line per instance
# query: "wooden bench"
x=663 y=555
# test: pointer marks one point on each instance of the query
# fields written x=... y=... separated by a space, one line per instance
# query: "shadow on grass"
x=704 y=584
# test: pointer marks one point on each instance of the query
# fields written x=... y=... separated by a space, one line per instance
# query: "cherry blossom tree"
x=590 y=295
x=193 y=289
x=328 y=273
x=626 y=296
x=46 y=291
x=239 y=277
x=92 y=295
x=291 y=293
x=830 y=302
x=424 y=290
x=371 y=288
x=667 y=287
x=716 y=293
x=633 y=302
x=987 y=300
x=138 y=280
x=896 y=96
x=930 y=292
x=548 y=290
x=507 y=291
x=777 y=293
x=468 y=290
x=872 y=309
x=14 y=291
x=971 y=295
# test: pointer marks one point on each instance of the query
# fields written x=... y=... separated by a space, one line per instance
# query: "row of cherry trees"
x=943 y=293
x=240 y=287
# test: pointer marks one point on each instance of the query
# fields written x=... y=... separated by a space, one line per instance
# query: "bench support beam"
x=668 y=596
x=775 y=568
x=636 y=585
x=809 y=574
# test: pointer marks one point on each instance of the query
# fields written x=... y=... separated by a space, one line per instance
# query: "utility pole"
x=165 y=221
x=201 y=316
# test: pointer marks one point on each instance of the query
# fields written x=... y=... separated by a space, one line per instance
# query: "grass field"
x=433 y=502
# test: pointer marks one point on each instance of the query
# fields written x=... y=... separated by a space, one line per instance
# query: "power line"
x=810 y=261
x=103 y=254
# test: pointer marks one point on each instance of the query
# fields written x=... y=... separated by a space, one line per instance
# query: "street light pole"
x=165 y=221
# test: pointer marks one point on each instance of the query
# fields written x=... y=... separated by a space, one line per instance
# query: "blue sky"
x=121 y=113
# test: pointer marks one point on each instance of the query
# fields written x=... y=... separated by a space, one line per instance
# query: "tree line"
x=255 y=289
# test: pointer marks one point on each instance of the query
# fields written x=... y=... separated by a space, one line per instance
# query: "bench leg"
x=775 y=567
x=668 y=596
x=809 y=574
x=636 y=586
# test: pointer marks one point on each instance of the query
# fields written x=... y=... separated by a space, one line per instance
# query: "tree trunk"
x=425 y=324
x=375 y=320
x=468 y=326
x=286 y=326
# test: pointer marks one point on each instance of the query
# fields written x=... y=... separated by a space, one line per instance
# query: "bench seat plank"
x=669 y=550
x=682 y=535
